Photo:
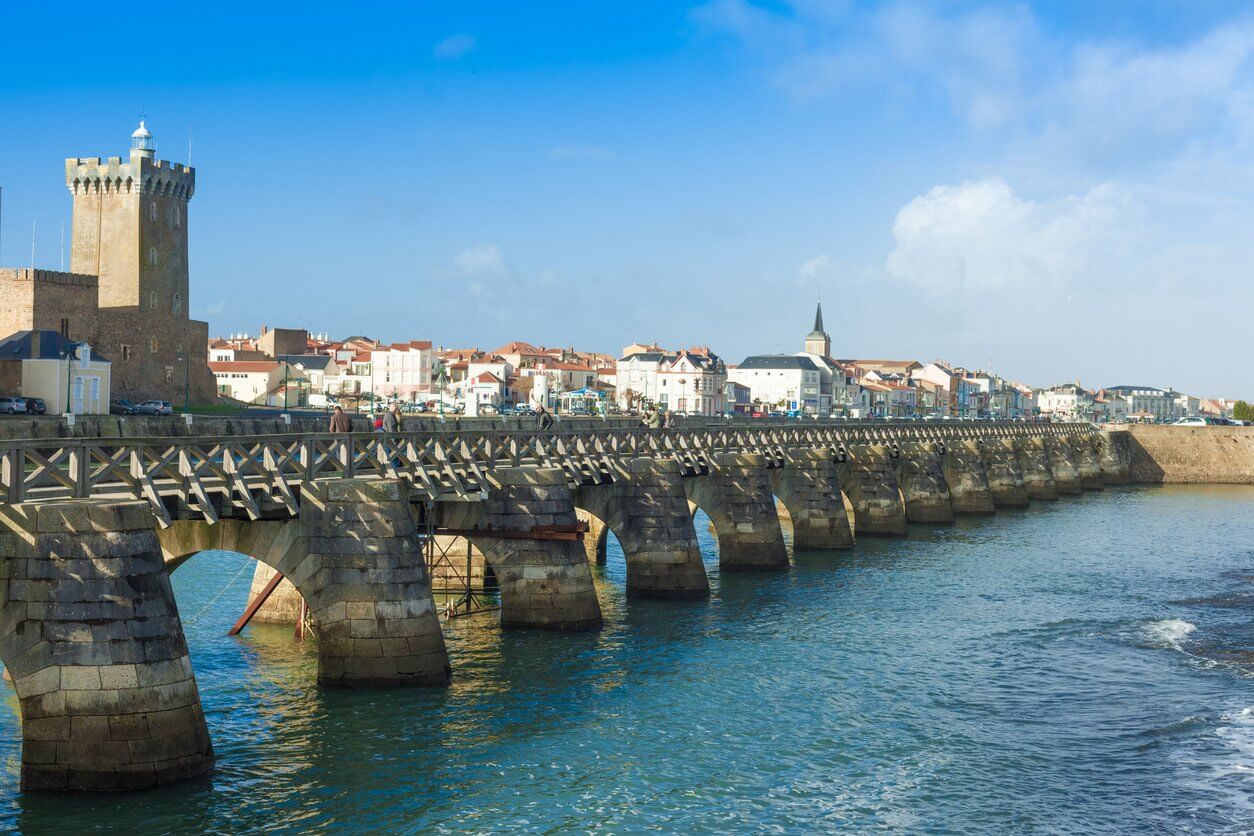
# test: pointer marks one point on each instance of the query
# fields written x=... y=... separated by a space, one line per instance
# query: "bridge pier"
x=1038 y=480
x=871 y=484
x=544 y=583
x=1086 y=462
x=1062 y=465
x=963 y=468
x=809 y=486
x=647 y=509
x=923 y=485
x=91 y=635
x=1005 y=480
x=736 y=494
x=1115 y=457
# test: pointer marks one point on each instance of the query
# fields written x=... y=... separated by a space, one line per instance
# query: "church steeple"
x=817 y=341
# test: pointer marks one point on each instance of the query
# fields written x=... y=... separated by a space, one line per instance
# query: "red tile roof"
x=243 y=366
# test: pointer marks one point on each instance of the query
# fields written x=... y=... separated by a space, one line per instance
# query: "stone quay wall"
x=1190 y=455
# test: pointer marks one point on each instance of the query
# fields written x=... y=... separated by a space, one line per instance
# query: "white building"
x=1065 y=402
x=787 y=381
x=693 y=383
x=255 y=381
x=1150 y=401
x=402 y=371
x=636 y=377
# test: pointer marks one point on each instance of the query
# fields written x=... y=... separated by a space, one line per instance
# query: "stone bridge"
x=92 y=529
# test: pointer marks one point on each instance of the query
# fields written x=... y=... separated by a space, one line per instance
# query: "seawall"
x=1190 y=455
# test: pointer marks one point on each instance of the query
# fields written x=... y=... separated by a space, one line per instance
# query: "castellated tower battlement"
x=88 y=175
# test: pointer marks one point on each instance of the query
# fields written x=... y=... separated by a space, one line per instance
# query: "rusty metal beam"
x=255 y=605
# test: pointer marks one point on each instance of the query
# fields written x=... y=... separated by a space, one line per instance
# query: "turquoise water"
x=1078 y=667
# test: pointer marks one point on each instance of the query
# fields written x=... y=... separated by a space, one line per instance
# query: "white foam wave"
x=1168 y=632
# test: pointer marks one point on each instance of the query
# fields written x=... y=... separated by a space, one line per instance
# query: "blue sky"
x=1062 y=190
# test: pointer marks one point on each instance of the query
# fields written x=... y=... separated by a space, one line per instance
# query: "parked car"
x=121 y=406
x=523 y=409
x=12 y=406
x=154 y=408
x=1190 y=422
x=36 y=406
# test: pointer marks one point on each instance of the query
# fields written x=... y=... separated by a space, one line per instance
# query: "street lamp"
x=187 y=395
x=441 y=380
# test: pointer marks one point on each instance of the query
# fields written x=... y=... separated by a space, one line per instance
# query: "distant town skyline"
x=1055 y=191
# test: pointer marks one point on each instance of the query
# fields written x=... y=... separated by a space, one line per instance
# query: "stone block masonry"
x=353 y=555
x=90 y=633
x=359 y=566
x=870 y=482
x=1189 y=455
x=1062 y=466
x=736 y=494
x=647 y=509
x=923 y=485
x=1038 y=479
x=963 y=466
x=543 y=583
x=1005 y=479
x=1086 y=462
x=809 y=486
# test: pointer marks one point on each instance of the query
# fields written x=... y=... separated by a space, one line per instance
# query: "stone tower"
x=817 y=341
x=130 y=230
x=130 y=226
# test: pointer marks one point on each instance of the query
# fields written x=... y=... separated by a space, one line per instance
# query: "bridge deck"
x=261 y=475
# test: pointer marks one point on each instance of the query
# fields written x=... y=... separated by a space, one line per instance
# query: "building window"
x=152 y=299
x=152 y=211
x=154 y=345
x=126 y=352
x=169 y=374
x=177 y=305
x=65 y=327
x=152 y=255
x=178 y=217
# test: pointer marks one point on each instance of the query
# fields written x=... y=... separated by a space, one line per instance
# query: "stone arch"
x=870 y=480
x=736 y=494
x=353 y=555
x=265 y=541
x=544 y=583
x=808 y=486
x=646 y=509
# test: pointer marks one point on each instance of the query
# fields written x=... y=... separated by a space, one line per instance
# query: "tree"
x=1243 y=411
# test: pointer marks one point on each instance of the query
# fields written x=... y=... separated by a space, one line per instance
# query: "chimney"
x=34 y=343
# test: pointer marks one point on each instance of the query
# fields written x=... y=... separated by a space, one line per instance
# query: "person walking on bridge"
x=544 y=419
x=652 y=419
x=340 y=423
x=392 y=419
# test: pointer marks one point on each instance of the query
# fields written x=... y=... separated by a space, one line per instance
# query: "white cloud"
x=817 y=267
x=482 y=261
x=581 y=152
x=454 y=47
x=981 y=236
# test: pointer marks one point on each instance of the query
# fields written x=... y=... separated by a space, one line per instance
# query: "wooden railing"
x=262 y=475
